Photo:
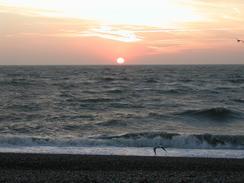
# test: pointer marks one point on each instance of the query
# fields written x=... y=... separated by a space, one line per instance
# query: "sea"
x=191 y=110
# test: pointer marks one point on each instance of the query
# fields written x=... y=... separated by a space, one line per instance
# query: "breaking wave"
x=147 y=139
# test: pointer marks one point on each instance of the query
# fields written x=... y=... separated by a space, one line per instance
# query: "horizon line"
x=119 y=65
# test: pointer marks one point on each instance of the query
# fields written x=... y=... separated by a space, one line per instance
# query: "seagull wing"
x=163 y=148
x=239 y=40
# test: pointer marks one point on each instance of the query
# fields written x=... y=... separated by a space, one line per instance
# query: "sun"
x=120 y=60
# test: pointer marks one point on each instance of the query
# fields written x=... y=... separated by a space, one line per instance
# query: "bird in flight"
x=240 y=41
x=158 y=147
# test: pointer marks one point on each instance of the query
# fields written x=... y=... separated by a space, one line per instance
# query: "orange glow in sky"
x=97 y=31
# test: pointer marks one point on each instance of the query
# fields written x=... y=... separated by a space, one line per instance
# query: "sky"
x=67 y=32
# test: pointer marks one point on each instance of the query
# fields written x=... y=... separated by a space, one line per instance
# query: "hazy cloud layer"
x=32 y=35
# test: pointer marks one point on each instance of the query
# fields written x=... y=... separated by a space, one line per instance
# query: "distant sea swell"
x=218 y=114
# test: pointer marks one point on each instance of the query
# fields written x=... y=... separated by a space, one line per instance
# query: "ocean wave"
x=112 y=123
x=157 y=115
x=236 y=80
x=17 y=82
x=216 y=114
x=151 y=80
x=177 y=90
x=239 y=100
x=114 y=90
x=90 y=100
x=110 y=79
x=71 y=117
x=176 y=140
x=147 y=139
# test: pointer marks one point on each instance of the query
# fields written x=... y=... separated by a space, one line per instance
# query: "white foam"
x=127 y=151
x=178 y=141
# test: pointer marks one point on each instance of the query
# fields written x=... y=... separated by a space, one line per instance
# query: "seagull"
x=158 y=147
x=240 y=41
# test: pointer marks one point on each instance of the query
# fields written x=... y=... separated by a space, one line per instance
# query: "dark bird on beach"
x=158 y=147
x=240 y=41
